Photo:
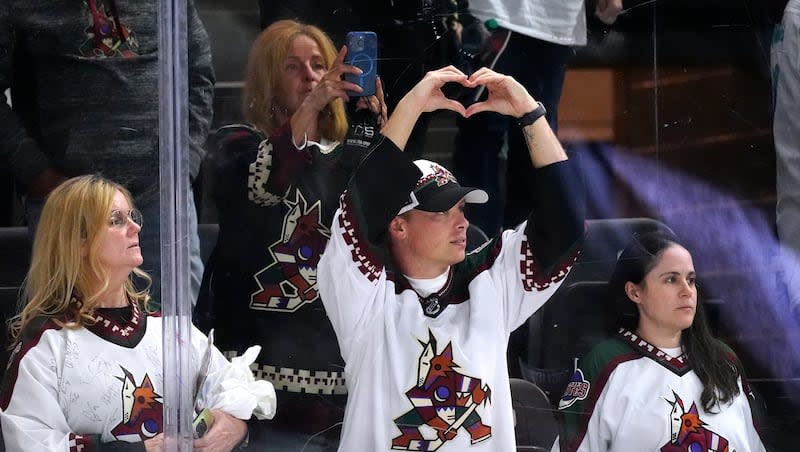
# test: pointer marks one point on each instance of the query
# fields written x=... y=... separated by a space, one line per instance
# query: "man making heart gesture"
x=423 y=327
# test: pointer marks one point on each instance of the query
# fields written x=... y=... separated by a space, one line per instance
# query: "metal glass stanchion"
x=175 y=294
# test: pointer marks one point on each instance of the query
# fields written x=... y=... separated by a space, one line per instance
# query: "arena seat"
x=535 y=426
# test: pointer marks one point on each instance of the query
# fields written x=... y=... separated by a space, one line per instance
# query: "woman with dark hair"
x=277 y=184
x=663 y=382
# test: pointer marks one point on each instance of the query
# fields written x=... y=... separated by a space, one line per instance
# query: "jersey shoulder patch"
x=593 y=369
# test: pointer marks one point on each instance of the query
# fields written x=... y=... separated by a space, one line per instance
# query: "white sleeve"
x=536 y=256
x=31 y=416
x=351 y=283
x=526 y=286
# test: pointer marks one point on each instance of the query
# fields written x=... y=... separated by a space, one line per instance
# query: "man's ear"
x=633 y=292
x=398 y=227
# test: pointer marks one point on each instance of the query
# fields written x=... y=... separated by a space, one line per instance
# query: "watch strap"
x=531 y=117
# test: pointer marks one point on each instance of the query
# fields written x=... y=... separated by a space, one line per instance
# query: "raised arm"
x=556 y=222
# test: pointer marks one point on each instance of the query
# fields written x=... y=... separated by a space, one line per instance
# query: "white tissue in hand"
x=234 y=390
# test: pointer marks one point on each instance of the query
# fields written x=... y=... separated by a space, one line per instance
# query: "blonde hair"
x=262 y=76
x=65 y=263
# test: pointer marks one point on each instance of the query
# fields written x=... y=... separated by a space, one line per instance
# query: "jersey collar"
x=678 y=366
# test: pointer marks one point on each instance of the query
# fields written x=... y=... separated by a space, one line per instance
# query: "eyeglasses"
x=119 y=218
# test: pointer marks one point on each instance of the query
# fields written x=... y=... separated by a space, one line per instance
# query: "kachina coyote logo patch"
x=290 y=281
x=444 y=402
x=106 y=36
x=141 y=408
x=688 y=431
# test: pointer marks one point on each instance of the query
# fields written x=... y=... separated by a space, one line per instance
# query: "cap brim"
x=445 y=199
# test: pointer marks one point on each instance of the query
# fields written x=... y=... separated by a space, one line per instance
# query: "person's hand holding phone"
x=331 y=86
x=305 y=121
x=226 y=432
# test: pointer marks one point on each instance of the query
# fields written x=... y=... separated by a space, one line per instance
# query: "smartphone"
x=362 y=52
x=202 y=423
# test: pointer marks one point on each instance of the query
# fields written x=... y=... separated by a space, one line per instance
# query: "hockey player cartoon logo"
x=438 y=174
x=444 y=401
x=106 y=35
x=295 y=256
x=688 y=432
x=141 y=409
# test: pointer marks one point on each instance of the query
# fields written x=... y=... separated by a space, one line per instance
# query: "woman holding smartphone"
x=279 y=178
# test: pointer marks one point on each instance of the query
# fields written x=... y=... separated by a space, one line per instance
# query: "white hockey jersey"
x=629 y=396
x=430 y=373
x=72 y=389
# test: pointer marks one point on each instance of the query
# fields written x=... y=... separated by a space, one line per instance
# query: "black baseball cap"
x=437 y=190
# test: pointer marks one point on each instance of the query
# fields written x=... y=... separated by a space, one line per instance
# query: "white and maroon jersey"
x=628 y=395
x=430 y=373
x=72 y=389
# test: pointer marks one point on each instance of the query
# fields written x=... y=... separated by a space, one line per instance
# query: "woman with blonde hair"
x=283 y=173
x=86 y=367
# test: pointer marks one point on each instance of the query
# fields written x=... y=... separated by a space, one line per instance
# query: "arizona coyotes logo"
x=442 y=176
x=444 y=401
x=439 y=174
x=295 y=258
x=688 y=432
x=141 y=409
x=106 y=35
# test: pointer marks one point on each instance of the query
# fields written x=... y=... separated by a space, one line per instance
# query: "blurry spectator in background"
x=84 y=86
x=785 y=60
